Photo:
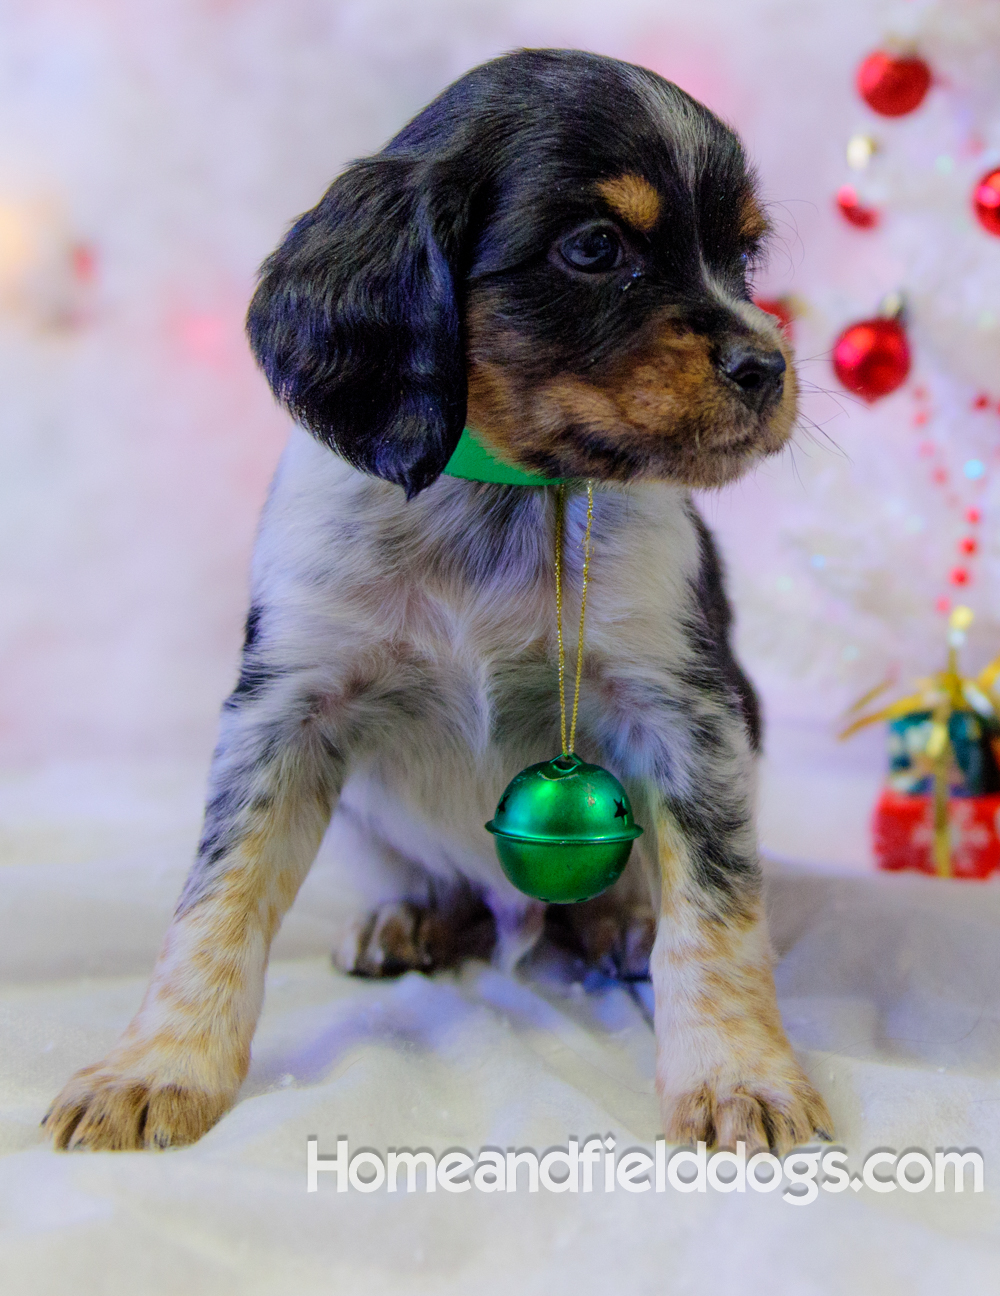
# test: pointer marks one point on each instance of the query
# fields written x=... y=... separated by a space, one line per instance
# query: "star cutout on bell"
x=620 y=811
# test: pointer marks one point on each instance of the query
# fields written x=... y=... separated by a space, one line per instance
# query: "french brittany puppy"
x=555 y=253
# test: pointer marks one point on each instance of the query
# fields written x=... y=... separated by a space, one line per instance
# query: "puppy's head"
x=555 y=251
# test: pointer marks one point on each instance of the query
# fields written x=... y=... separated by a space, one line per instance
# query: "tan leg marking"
x=725 y=1070
x=179 y=1064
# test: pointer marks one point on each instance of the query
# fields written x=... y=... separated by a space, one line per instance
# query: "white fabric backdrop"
x=889 y=988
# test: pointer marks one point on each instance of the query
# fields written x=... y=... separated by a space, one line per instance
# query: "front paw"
x=113 y=1107
x=779 y=1110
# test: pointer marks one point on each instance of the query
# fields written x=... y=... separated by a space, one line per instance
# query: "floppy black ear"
x=355 y=320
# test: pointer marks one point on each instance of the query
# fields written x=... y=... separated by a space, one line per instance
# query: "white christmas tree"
x=873 y=549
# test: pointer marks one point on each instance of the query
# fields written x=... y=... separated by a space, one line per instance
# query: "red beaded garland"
x=872 y=358
x=986 y=202
x=893 y=86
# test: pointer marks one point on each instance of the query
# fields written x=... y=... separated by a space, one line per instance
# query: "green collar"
x=474 y=462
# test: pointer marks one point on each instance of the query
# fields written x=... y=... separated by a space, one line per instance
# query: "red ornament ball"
x=853 y=210
x=959 y=576
x=872 y=358
x=986 y=202
x=893 y=86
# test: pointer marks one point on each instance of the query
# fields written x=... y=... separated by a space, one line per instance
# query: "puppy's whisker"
x=817 y=434
x=795 y=465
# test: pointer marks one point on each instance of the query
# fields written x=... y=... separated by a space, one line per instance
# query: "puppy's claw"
x=764 y=1119
x=99 y=1110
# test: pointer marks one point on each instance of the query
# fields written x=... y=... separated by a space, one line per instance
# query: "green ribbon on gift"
x=940 y=694
x=474 y=462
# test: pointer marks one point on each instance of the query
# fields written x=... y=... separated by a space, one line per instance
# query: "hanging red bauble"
x=854 y=211
x=872 y=358
x=986 y=202
x=893 y=86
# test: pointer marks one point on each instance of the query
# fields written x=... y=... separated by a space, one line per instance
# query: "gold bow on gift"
x=940 y=694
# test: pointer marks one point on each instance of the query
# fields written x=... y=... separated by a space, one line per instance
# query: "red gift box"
x=903 y=832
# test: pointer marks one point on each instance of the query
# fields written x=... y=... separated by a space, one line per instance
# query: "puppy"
x=556 y=252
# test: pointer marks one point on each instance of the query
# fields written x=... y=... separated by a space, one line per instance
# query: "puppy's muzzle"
x=758 y=374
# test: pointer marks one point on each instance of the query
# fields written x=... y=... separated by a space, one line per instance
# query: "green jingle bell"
x=564 y=830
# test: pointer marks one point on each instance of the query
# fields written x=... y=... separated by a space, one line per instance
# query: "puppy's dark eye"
x=595 y=249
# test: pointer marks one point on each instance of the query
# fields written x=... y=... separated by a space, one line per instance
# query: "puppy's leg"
x=725 y=1070
x=181 y=1061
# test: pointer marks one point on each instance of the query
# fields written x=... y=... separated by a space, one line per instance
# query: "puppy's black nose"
x=759 y=374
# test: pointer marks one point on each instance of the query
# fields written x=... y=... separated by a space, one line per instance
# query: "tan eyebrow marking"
x=753 y=223
x=634 y=199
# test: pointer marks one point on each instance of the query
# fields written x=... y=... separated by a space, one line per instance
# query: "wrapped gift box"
x=972 y=768
x=903 y=833
x=940 y=810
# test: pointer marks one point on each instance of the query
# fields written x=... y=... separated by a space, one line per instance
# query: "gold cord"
x=560 y=522
x=560 y=513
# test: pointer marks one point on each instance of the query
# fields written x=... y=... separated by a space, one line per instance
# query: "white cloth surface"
x=889 y=987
